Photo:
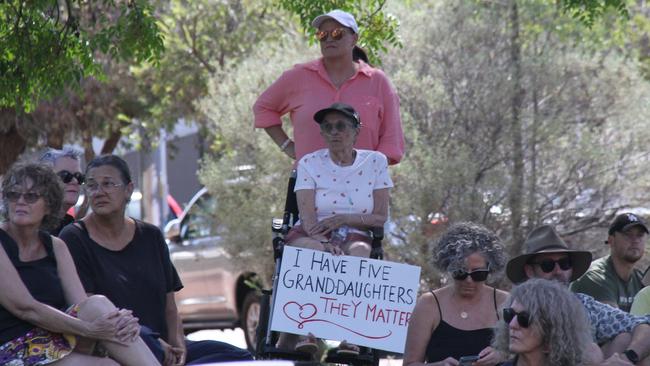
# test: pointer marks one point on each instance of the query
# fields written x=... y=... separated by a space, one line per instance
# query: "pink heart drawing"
x=299 y=312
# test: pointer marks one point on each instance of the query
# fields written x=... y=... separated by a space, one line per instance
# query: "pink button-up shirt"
x=306 y=88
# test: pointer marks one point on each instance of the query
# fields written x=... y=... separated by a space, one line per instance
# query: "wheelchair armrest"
x=377 y=233
x=377 y=252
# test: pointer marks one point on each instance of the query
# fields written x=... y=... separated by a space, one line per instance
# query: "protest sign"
x=365 y=301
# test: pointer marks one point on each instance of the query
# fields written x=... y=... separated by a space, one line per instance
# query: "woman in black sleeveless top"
x=45 y=315
x=457 y=320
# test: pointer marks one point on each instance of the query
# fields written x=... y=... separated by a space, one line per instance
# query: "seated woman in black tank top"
x=45 y=315
x=457 y=320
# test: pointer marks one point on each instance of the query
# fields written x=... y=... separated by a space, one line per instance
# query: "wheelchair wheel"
x=250 y=318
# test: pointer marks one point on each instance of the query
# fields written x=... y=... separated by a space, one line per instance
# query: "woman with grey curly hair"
x=452 y=325
x=544 y=324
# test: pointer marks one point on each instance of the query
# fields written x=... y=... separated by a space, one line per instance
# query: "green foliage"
x=377 y=28
x=454 y=80
x=47 y=46
x=201 y=37
x=587 y=11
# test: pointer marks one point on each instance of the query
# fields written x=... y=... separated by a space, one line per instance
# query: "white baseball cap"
x=345 y=18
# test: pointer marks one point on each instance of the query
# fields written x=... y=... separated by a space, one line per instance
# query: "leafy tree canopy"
x=48 y=45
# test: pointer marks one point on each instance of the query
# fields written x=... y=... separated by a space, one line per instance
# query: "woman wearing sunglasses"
x=341 y=192
x=456 y=321
x=342 y=74
x=45 y=315
x=66 y=164
x=544 y=325
x=127 y=260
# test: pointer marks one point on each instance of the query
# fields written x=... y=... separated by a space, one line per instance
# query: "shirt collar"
x=318 y=66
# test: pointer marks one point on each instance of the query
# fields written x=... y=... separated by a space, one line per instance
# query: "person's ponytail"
x=358 y=53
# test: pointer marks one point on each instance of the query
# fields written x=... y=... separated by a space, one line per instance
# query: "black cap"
x=625 y=221
x=342 y=108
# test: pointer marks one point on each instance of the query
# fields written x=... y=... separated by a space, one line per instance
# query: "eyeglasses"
x=478 y=275
x=336 y=34
x=523 y=317
x=548 y=265
x=106 y=187
x=67 y=176
x=28 y=197
x=339 y=126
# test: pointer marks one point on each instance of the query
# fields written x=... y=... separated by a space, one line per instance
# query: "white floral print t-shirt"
x=343 y=189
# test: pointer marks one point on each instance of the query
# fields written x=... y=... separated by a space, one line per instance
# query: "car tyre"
x=250 y=318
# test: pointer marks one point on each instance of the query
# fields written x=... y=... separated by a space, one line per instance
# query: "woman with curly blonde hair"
x=544 y=324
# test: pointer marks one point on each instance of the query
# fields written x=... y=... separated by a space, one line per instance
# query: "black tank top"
x=41 y=279
x=447 y=341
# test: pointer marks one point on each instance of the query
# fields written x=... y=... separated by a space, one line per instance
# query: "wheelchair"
x=266 y=339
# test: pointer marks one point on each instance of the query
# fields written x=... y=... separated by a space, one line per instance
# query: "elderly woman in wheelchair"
x=342 y=192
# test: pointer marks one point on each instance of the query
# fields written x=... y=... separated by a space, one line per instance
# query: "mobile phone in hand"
x=467 y=360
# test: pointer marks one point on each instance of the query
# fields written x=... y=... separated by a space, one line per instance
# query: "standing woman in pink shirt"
x=341 y=75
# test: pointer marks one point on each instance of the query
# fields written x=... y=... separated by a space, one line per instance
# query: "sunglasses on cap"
x=478 y=275
x=548 y=265
x=67 y=176
x=339 y=126
x=28 y=197
x=335 y=34
x=523 y=317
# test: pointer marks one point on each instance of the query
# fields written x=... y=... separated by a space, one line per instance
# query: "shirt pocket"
x=370 y=112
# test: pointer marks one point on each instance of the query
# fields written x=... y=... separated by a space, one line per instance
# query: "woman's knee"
x=94 y=306
x=359 y=249
x=78 y=359
x=105 y=361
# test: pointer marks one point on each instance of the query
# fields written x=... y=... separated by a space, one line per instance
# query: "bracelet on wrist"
x=285 y=144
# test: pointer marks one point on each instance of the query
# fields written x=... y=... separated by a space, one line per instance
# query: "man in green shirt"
x=613 y=278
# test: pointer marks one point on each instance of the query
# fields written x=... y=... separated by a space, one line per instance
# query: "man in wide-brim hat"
x=547 y=256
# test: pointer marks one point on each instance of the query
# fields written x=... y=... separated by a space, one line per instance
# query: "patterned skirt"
x=38 y=347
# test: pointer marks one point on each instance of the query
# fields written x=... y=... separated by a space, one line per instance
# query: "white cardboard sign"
x=364 y=301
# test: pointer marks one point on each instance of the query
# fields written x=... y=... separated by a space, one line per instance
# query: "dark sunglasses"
x=339 y=126
x=28 y=197
x=548 y=265
x=336 y=34
x=67 y=176
x=523 y=317
x=478 y=275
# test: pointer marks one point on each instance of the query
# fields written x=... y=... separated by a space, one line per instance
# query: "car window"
x=201 y=220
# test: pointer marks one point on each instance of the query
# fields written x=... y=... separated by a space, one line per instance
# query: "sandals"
x=347 y=349
x=308 y=344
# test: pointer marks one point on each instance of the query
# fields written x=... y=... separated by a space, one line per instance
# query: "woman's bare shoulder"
x=501 y=296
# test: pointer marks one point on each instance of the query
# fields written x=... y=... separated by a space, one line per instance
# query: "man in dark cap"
x=613 y=279
x=547 y=256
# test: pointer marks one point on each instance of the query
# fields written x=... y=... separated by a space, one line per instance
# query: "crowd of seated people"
x=95 y=317
x=100 y=290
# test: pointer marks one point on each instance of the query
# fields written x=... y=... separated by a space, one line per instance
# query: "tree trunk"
x=532 y=180
x=517 y=188
x=13 y=144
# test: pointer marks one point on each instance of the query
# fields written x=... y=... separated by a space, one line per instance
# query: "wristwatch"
x=631 y=355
